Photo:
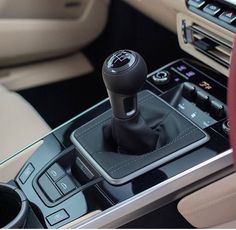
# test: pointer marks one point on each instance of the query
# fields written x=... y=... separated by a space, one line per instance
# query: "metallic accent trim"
x=158 y=194
x=139 y=172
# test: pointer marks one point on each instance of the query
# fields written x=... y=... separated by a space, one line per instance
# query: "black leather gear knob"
x=124 y=73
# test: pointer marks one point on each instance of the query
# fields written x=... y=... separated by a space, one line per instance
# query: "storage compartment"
x=13 y=207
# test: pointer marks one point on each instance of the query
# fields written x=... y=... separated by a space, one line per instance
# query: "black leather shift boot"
x=132 y=136
x=175 y=136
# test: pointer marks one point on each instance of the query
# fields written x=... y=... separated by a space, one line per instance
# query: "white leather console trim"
x=228 y=225
x=41 y=73
x=20 y=124
x=10 y=168
x=212 y=205
x=158 y=11
x=158 y=195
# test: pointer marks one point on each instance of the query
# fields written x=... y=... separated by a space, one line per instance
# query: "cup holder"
x=13 y=207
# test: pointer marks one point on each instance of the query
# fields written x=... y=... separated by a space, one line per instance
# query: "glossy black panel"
x=95 y=192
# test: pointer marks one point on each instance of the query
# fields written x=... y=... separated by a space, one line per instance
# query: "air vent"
x=208 y=43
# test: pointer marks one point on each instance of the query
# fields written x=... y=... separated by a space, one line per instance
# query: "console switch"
x=57 y=217
x=161 y=78
x=196 y=3
x=48 y=188
x=217 y=110
x=202 y=100
x=211 y=9
x=228 y=17
x=56 y=172
x=26 y=173
x=66 y=185
x=226 y=127
x=188 y=91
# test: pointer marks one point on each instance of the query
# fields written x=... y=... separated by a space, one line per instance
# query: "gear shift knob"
x=124 y=73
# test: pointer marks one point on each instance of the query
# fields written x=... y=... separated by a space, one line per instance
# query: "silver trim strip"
x=158 y=194
x=139 y=172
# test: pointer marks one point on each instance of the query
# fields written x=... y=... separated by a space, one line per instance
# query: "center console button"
x=57 y=217
x=226 y=127
x=56 y=172
x=161 y=78
x=228 y=17
x=217 y=110
x=202 y=100
x=196 y=3
x=66 y=185
x=48 y=188
x=26 y=173
x=188 y=91
x=211 y=9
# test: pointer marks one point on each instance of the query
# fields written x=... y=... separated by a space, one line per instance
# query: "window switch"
x=48 y=188
x=56 y=172
x=66 y=185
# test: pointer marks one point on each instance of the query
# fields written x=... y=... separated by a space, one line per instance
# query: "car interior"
x=117 y=114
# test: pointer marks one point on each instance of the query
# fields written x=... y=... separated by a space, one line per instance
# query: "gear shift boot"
x=174 y=136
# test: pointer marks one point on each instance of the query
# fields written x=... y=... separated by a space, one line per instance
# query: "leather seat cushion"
x=20 y=124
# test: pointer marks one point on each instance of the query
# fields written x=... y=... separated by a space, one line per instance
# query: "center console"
x=77 y=178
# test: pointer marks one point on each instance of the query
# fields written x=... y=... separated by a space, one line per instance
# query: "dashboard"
x=195 y=19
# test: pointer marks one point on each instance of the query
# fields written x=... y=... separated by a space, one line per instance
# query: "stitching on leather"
x=139 y=159
x=179 y=137
x=85 y=132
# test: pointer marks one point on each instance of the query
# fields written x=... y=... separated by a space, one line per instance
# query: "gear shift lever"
x=124 y=73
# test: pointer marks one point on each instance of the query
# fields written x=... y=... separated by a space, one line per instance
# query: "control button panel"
x=194 y=94
x=57 y=217
x=219 y=12
x=204 y=101
x=56 y=183
x=26 y=173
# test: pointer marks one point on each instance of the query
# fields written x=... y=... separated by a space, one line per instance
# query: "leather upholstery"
x=170 y=126
x=20 y=124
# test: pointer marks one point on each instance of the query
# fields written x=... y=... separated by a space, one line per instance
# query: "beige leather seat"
x=20 y=123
